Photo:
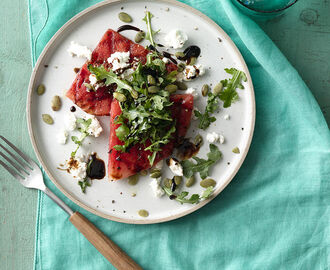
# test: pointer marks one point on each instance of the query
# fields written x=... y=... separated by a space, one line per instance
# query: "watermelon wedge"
x=99 y=102
x=122 y=165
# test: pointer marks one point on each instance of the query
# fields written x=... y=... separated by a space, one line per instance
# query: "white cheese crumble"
x=78 y=50
x=77 y=167
x=191 y=72
x=175 y=167
x=192 y=91
x=165 y=60
x=92 y=79
x=94 y=128
x=226 y=117
x=214 y=137
x=119 y=60
x=70 y=122
x=176 y=38
x=62 y=136
x=156 y=188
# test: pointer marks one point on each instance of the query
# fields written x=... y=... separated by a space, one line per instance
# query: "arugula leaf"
x=207 y=193
x=84 y=184
x=201 y=166
x=150 y=33
x=194 y=198
x=83 y=129
x=205 y=119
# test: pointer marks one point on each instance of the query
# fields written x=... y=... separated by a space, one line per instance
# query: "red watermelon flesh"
x=99 y=102
x=122 y=165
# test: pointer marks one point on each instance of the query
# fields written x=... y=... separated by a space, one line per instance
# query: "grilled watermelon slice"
x=99 y=102
x=122 y=165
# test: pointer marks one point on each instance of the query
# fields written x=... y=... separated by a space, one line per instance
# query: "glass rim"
x=267 y=11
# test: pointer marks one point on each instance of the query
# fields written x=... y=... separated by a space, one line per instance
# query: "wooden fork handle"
x=103 y=244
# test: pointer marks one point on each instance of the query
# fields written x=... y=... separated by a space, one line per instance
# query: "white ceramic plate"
x=218 y=52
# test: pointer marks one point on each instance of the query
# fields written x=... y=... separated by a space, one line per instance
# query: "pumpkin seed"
x=171 y=88
x=156 y=174
x=217 y=89
x=47 y=119
x=181 y=67
x=205 y=90
x=144 y=172
x=56 y=103
x=133 y=194
x=192 y=61
x=133 y=179
x=208 y=183
x=153 y=89
x=124 y=17
x=190 y=181
x=198 y=140
x=134 y=94
x=236 y=150
x=181 y=85
x=119 y=96
x=139 y=37
x=179 y=55
x=177 y=180
x=168 y=182
x=143 y=213
x=151 y=80
x=41 y=89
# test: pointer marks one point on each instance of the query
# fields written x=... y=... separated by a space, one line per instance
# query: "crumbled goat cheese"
x=62 y=136
x=156 y=188
x=226 y=117
x=78 y=50
x=93 y=82
x=191 y=72
x=165 y=60
x=119 y=60
x=70 y=122
x=192 y=91
x=214 y=137
x=175 y=167
x=176 y=38
x=94 y=128
x=92 y=79
x=77 y=167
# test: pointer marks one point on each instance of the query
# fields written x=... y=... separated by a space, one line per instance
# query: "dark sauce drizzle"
x=169 y=56
x=128 y=27
x=72 y=109
x=97 y=168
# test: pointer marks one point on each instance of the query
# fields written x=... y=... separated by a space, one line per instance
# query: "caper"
x=179 y=55
x=198 y=140
x=153 y=89
x=217 y=88
x=124 y=17
x=41 y=89
x=236 y=150
x=181 y=85
x=133 y=179
x=139 y=37
x=151 y=80
x=47 y=119
x=168 y=182
x=119 y=96
x=208 y=183
x=56 y=103
x=190 y=181
x=143 y=213
x=205 y=90
x=177 y=180
x=181 y=67
x=134 y=94
x=156 y=174
x=192 y=61
x=171 y=88
x=144 y=172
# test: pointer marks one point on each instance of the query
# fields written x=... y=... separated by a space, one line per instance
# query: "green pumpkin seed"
x=133 y=179
x=168 y=182
x=217 y=89
x=151 y=80
x=139 y=37
x=119 y=96
x=134 y=94
x=156 y=174
x=171 y=88
x=124 y=17
x=41 y=89
x=179 y=55
x=208 y=183
x=144 y=172
x=143 y=213
x=133 y=194
x=236 y=150
x=153 y=89
x=181 y=67
x=181 y=85
x=198 y=141
x=205 y=90
x=192 y=61
x=47 y=119
x=56 y=103
x=190 y=181
x=177 y=180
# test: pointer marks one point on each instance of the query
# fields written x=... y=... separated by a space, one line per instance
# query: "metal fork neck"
x=58 y=201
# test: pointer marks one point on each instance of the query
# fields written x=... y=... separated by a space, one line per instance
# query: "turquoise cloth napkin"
x=274 y=214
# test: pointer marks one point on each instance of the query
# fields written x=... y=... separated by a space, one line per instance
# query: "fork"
x=28 y=173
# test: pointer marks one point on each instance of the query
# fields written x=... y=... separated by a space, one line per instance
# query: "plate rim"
x=72 y=197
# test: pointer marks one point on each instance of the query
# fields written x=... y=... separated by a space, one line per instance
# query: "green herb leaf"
x=207 y=192
x=83 y=127
x=84 y=184
x=150 y=32
x=194 y=198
